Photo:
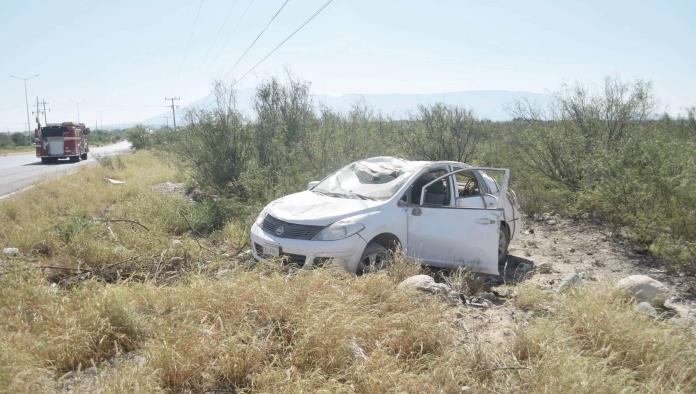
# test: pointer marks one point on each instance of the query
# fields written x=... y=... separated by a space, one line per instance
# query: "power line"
x=317 y=12
x=193 y=31
x=229 y=37
x=256 y=39
x=219 y=32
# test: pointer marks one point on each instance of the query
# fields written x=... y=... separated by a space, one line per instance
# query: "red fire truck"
x=62 y=140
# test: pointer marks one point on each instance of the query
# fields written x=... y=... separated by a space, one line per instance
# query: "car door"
x=448 y=236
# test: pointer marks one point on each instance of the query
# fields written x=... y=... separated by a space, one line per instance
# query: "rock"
x=485 y=297
x=545 y=268
x=645 y=307
x=176 y=243
x=425 y=284
x=170 y=187
x=552 y=222
x=10 y=251
x=114 y=181
x=358 y=352
x=645 y=288
x=569 y=281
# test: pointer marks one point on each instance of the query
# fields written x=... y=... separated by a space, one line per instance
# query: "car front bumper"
x=343 y=252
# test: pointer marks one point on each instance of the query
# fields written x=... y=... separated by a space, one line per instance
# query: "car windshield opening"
x=374 y=179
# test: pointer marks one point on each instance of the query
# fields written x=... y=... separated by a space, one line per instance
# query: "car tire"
x=373 y=258
x=503 y=243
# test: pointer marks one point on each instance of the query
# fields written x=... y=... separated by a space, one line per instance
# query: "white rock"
x=425 y=284
x=10 y=251
x=645 y=288
x=569 y=281
x=645 y=307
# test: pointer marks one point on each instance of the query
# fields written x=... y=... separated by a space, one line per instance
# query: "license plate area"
x=270 y=250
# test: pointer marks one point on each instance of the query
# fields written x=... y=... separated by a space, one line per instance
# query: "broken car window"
x=372 y=179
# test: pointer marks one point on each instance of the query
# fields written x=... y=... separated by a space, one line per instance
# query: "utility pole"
x=43 y=102
x=38 y=113
x=173 y=112
x=26 y=101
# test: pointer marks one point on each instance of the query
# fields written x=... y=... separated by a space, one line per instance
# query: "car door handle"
x=485 y=221
x=416 y=211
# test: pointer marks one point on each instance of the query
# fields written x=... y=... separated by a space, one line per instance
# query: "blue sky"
x=120 y=58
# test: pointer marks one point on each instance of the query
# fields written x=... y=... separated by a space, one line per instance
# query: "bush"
x=139 y=137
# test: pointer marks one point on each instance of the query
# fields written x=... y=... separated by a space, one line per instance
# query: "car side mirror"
x=311 y=185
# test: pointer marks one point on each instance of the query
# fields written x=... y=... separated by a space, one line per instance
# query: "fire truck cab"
x=62 y=140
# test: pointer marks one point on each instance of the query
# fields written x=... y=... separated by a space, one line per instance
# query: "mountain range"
x=485 y=104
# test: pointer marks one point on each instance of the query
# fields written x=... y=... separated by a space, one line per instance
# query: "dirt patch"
x=564 y=246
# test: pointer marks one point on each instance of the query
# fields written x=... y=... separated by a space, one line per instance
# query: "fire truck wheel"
x=45 y=160
x=83 y=156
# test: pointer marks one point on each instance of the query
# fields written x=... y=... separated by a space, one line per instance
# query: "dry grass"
x=263 y=329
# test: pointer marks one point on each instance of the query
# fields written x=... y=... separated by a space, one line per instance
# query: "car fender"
x=390 y=220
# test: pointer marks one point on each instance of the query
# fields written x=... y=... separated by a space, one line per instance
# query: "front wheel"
x=373 y=258
x=83 y=156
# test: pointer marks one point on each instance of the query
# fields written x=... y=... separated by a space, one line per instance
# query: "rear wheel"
x=503 y=243
x=45 y=160
x=373 y=258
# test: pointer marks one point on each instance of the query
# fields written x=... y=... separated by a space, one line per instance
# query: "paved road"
x=20 y=171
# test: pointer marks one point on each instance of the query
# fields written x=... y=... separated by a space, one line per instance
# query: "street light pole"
x=26 y=101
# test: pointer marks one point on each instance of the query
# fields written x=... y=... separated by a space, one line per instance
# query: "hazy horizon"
x=118 y=61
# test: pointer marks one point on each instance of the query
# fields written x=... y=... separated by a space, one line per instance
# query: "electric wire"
x=317 y=12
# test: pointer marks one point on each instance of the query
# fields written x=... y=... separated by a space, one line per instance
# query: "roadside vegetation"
x=110 y=306
x=14 y=142
x=600 y=154
x=143 y=286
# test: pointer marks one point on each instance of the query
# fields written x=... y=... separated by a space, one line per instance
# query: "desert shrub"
x=442 y=132
x=139 y=137
x=215 y=149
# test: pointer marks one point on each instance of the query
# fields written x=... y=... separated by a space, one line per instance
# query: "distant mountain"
x=486 y=104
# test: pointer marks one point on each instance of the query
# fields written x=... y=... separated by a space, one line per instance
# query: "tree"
x=442 y=132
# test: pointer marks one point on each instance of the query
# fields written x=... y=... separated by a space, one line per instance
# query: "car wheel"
x=373 y=258
x=503 y=244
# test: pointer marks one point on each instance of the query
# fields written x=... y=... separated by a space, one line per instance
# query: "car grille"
x=281 y=229
x=291 y=258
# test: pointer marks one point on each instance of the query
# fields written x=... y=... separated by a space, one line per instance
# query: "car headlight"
x=339 y=230
x=262 y=215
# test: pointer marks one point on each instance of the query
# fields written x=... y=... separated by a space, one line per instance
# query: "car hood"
x=315 y=209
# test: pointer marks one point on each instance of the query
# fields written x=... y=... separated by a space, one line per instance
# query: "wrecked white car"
x=444 y=214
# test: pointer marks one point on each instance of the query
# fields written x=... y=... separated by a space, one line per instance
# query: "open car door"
x=448 y=236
